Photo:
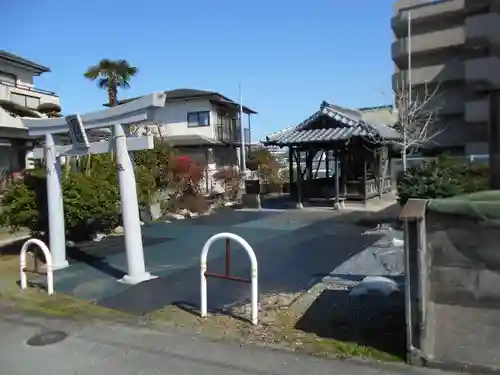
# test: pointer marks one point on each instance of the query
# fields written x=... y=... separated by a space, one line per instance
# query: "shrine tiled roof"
x=342 y=124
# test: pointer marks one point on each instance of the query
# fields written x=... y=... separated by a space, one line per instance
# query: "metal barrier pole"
x=254 y=272
x=48 y=264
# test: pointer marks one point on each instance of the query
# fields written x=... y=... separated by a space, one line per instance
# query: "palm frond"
x=103 y=83
x=112 y=74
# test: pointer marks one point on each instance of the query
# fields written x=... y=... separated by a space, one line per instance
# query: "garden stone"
x=155 y=210
x=98 y=237
x=118 y=230
x=172 y=216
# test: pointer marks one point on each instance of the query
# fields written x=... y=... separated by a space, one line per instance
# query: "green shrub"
x=91 y=205
x=441 y=178
x=91 y=193
x=259 y=157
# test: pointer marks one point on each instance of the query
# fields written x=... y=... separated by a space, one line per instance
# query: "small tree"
x=111 y=75
x=259 y=157
x=417 y=118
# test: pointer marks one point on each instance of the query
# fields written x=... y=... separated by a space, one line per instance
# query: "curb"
x=9 y=241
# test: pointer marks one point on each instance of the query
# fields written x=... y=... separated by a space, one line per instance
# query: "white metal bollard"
x=254 y=276
x=48 y=264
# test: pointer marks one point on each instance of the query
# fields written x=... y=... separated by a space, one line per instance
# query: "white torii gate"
x=135 y=112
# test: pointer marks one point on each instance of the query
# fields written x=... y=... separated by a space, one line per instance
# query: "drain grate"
x=47 y=338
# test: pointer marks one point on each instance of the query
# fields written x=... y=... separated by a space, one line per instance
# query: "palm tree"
x=111 y=75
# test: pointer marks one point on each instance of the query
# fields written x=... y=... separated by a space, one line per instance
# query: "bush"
x=260 y=157
x=186 y=175
x=85 y=211
x=442 y=177
x=91 y=194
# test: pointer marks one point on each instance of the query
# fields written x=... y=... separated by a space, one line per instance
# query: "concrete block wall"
x=453 y=280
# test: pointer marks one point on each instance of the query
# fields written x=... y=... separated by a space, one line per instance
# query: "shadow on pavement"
x=288 y=263
x=94 y=261
x=376 y=322
x=13 y=248
x=388 y=215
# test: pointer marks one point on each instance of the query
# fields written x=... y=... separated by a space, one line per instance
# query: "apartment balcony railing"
x=426 y=11
x=231 y=134
x=27 y=88
x=25 y=95
x=451 y=71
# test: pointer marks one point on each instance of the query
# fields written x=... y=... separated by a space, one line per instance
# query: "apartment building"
x=454 y=44
x=17 y=76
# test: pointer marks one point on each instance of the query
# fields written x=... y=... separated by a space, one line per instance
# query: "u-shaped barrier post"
x=254 y=275
x=48 y=264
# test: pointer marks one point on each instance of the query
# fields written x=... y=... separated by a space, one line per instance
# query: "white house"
x=17 y=85
x=203 y=125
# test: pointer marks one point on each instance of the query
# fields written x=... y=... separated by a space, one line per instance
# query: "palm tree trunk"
x=112 y=95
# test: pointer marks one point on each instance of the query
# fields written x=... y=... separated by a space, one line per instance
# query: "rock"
x=119 y=230
x=98 y=237
x=229 y=204
x=183 y=212
x=194 y=215
x=155 y=210
x=172 y=216
x=374 y=285
x=168 y=221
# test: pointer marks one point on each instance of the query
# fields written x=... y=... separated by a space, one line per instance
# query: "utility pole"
x=242 y=135
x=409 y=95
x=409 y=59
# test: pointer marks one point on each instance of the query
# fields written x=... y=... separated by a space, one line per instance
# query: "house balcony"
x=425 y=13
x=231 y=134
x=477 y=31
x=427 y=43
x=25 y=95
x=452 y=71
x=477 y=111
x=483 y=29
x=483 y=74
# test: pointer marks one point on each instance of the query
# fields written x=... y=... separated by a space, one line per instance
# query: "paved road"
x=118 y=349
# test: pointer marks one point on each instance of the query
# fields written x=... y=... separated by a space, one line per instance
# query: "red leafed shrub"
x=186 y=173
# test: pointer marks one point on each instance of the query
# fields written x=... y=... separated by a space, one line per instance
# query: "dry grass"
x=36 y=300
x=275 y=329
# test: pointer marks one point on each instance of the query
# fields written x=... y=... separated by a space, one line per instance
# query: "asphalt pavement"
x=109 y=348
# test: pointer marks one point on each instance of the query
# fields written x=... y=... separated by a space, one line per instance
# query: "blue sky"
x=288 y=56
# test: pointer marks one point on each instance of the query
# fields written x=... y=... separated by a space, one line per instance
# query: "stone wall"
x=460 y=285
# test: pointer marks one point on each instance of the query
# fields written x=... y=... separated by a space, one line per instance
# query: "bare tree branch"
x=418 y=112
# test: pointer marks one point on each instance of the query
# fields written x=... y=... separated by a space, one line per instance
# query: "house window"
x=8 y=77
x=198 y=119
x=25 y=100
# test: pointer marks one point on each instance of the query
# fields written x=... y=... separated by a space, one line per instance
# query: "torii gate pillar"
x=130 y=210
x=55 y=206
